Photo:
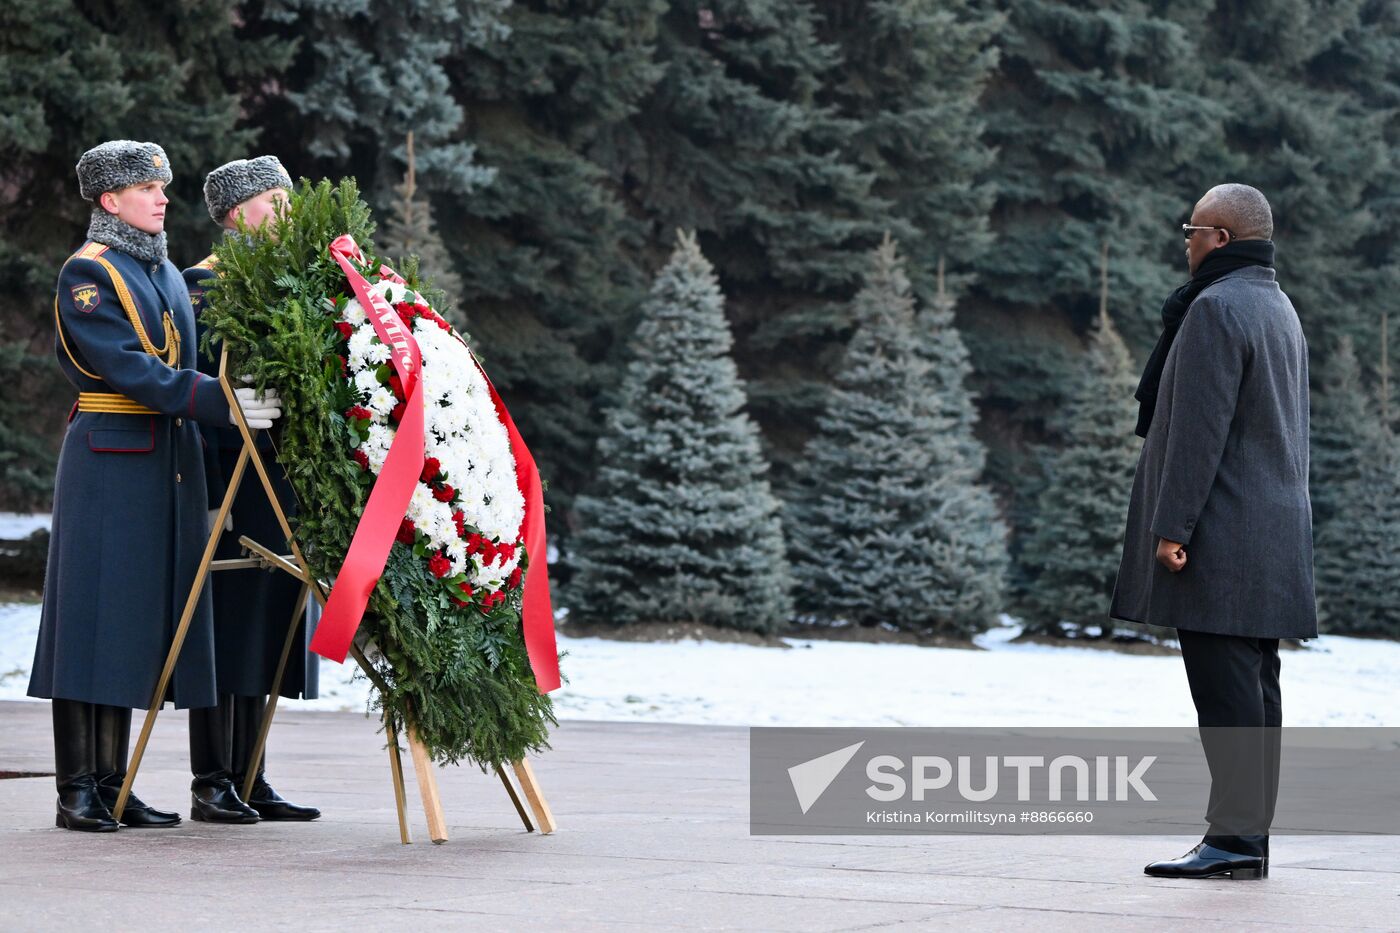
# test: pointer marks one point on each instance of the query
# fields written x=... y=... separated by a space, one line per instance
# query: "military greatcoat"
x=130 y=510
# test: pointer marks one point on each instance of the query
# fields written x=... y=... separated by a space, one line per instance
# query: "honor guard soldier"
x=252 y=608
x=130 y=507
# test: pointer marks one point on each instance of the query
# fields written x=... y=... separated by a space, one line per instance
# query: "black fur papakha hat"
x=230 y=185
x=120 y=163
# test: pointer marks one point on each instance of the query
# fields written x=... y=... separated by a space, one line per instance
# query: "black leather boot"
x=247 y=720
x=1206 y=861
x=213 y=798
x=80 y=806
x=113 y=739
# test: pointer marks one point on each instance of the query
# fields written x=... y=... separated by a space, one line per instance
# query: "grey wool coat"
x=1224 y=471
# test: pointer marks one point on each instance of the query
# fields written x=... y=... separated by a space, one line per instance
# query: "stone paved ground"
x=653 y=836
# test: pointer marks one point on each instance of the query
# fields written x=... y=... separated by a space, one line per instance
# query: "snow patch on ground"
x=1334 y=681
x=17 y=525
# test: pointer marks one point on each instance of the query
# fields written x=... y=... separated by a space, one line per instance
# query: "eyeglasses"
x=1187 y=230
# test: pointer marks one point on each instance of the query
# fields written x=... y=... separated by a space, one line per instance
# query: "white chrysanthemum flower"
x=381 y=401
x=353 y=314
x=366 y=382
x=360 y=341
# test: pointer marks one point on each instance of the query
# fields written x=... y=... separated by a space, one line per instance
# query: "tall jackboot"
x=213 y=798
x=247 y=720
x=80 y=806
x=113 y=741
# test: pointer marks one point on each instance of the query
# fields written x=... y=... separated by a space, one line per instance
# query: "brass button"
x=177 y=477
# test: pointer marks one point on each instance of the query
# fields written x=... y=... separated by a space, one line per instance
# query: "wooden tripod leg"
x=271 y=710
x=396 y=774
x=515 y=799
x=526 y=776
x=427 y=786
x=173 y=655
x=395 y=762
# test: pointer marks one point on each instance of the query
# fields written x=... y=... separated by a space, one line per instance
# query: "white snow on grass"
x=1334 y=681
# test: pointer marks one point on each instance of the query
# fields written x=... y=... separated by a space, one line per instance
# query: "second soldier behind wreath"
x=252 y=608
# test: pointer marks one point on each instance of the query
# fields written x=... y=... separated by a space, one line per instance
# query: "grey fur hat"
x=120 y=163
x=230 y=185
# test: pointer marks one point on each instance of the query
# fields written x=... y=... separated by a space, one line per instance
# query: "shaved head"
x=1243 y=210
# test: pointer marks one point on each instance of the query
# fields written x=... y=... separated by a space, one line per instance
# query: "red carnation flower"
x=460 y=520
x=439 y=566
x=406 y=533
x=514 y=580
x=396 y=415
x=442 y=322
x=344 y=365
x=345 y=329
x=466 y=589
x=359 y=412
x=444 y=493
x=361 y=459
x=396 y=386
x=457 y=602
x=474 y=543
x=431 y=468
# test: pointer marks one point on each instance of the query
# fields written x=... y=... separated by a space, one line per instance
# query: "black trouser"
x=1234 y=683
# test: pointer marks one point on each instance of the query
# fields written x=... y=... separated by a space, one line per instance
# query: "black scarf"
x=1237 y=254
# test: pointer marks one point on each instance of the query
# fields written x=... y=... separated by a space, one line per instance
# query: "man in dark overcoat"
x=1219 y=530
x=130 y=515
x=252 y=608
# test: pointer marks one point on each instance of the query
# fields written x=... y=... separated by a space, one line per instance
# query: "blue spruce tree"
x=888 y=524
x=681 y=526
x=1074 y=547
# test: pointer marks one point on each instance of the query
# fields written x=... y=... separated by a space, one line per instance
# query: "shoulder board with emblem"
x=90 y=251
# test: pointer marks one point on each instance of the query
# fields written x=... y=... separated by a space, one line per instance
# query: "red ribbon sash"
x=536 y=611
x=388 y=500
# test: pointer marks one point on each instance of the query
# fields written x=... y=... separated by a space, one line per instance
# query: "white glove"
x=259 y=410
x=214 y=517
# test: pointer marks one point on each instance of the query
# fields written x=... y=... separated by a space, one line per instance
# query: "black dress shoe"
x=271 y=806
x=80 y=807
x=137 y=812
x=1206 y=861
x=213 y=799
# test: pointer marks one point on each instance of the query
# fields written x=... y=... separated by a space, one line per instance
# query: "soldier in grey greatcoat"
x=252 y=608
x=130 y=509
x=1218 y=542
